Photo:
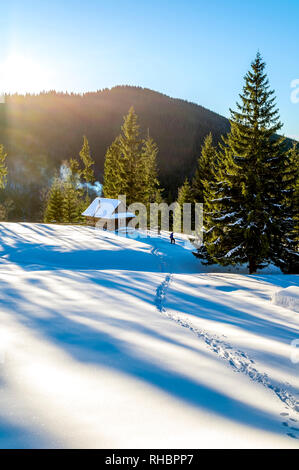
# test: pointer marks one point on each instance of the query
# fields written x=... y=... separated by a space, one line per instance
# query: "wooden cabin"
x=108 y=214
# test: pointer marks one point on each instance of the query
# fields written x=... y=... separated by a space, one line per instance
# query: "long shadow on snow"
x=214 y=308
x=86 y=345
x=51 y=258
x=17 y=436
x=30 y=255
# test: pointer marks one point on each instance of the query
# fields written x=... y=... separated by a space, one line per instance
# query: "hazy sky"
x=193 y=49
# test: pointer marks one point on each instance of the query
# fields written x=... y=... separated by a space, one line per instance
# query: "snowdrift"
x=111 y=342
x=287 y=298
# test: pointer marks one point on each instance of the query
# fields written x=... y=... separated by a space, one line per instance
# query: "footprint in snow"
x=284 y=414
x=293 y=419
x=292 y=435
x=285 y=424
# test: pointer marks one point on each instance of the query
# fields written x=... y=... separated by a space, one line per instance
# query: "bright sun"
x=22 y=75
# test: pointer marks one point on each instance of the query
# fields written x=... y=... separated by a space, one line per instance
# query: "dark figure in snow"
x=172 y=239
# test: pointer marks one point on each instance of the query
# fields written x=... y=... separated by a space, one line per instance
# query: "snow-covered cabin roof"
x=104 y=208
x=122 y=215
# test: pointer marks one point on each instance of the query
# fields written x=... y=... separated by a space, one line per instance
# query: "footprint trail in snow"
x=236 y=358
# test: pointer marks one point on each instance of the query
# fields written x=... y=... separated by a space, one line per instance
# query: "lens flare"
x=22 y=74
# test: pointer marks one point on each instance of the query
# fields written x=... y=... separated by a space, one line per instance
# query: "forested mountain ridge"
x=40 y=131
x=49 y=127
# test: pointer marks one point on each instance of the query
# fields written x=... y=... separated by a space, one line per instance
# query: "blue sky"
x=192 y=49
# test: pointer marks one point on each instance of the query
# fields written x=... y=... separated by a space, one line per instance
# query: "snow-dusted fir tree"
x=123 y=161
x=288 y=255
x=243 y=207
x=113 y=171
x=87 y=173
x=54 y=202
x=184 y=197
x=130 y=164
x=130 y=151
x=149 y=170
x=205 y=166
x=3 y=167
x=72 y=205
x=73 y=172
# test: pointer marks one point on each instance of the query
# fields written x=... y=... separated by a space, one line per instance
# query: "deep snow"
x=112 y=342
x=288 y=297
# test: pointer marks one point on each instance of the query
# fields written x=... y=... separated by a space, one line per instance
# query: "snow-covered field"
x=110 y=342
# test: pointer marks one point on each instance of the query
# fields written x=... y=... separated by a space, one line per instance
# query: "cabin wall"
x=91 y=221
x=107 y=224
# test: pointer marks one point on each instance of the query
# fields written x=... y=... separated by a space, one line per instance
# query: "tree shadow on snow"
x=90 y=346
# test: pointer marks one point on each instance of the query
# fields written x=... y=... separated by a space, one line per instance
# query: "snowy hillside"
x=111 y=342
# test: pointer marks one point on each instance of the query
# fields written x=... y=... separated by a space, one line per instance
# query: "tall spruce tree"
x=87 y=173
x=74 y=172
x=130 y=152
x=149 y=171
x=155 y=216
x=54 y=202
x=130 y=164
x=184 y=197
x=243 y=206
x=113 y=184
x=3 y=167
x=204 y=172
x=71 y=204
x=288 y=255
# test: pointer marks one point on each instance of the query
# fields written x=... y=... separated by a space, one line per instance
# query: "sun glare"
x=21 y=74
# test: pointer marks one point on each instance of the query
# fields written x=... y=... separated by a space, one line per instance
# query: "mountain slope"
x=111 y=342
x=48 y=128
